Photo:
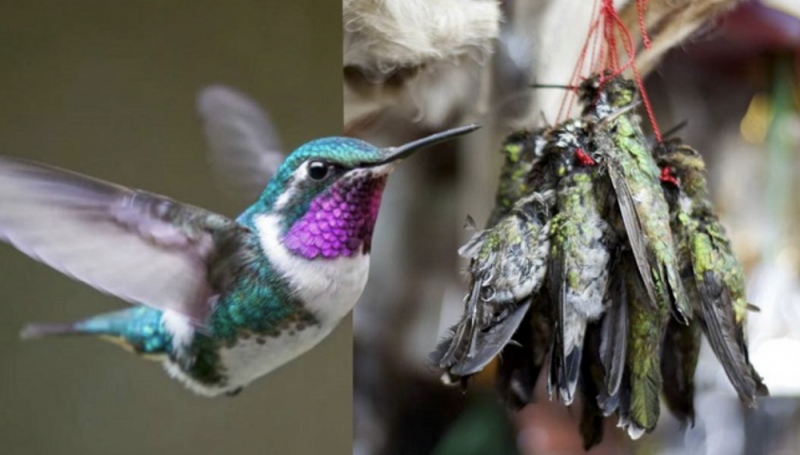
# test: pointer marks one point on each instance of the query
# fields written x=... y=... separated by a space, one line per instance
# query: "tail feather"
x=138 y=329
x=565 y=364
x=640 y=402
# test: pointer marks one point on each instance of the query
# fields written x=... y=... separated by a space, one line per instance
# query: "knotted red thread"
x=608 y=20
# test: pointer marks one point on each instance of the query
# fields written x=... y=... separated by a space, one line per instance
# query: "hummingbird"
x=581 y=246
x=521 y=360
x=218 y=301
x=635 y=179
x=523 y=356
x=507 y=268
x=714 y=276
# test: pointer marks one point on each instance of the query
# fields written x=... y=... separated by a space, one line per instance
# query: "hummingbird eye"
x=318 y=170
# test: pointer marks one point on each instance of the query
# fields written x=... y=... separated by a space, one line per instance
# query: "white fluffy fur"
x=446 y=40
x=385 y=34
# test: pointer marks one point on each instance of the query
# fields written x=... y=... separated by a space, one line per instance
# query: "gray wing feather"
x=245 y=148
x=141 y=247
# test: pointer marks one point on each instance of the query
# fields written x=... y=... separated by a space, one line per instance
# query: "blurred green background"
x=107 y=89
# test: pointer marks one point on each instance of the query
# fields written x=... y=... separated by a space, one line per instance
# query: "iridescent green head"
x=327 y=192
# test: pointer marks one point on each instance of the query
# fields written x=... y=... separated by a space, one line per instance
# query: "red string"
x=641 y=7
x=605 y=54
x=569 y=98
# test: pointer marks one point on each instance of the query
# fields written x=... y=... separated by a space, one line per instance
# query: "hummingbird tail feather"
x=643 y=400
x=566 y=362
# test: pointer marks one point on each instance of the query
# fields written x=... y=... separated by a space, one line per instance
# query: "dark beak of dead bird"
x=604 y=262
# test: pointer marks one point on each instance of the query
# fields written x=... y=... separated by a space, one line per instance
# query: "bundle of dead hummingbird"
x=605 y=261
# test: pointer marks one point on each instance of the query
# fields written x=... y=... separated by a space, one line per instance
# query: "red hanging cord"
x=641 y=7
x=605 y=54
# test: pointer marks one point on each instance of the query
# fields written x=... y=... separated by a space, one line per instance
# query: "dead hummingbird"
x=507 y=267
x=711 y=269
x=635 y=178
x=521 y=360
x=581 y=244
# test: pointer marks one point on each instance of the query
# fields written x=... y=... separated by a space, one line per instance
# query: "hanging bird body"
x=635 y=262
x=635 y=178
x=221 y=302
x=713 y=273
x=521 y=360
x=507 y=266
x=579 y=253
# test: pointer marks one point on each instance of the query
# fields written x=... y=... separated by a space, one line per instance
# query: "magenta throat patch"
x=339 y=221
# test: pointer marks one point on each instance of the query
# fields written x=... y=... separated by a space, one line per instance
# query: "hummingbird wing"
x=141 y=247
x=645 y=260
x=245 y=147
x=725 y=334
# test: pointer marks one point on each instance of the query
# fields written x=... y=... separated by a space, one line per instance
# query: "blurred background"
x=730 y=68
x=108 y=89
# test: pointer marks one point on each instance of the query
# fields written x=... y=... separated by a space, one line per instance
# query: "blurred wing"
x=141 y=247
x=245 y=148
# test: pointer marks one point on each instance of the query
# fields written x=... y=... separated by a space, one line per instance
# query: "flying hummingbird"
x=710 y=268
x=635 y=178
x=581 y=246
x=219 y=301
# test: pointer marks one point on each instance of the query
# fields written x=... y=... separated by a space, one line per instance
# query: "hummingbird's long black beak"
x=404 y=151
